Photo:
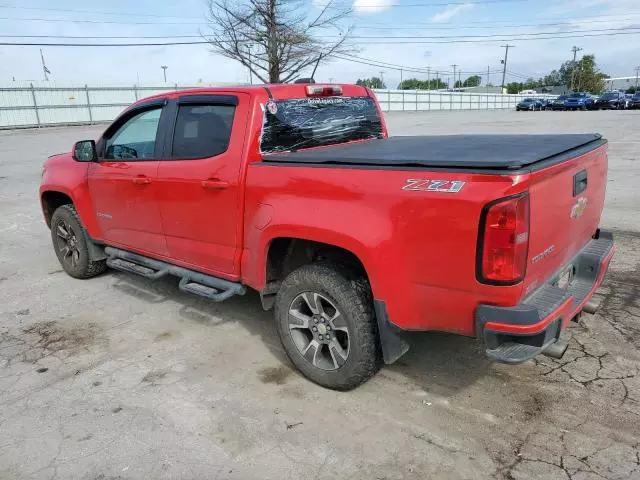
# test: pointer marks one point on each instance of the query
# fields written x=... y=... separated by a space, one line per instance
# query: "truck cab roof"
x=276 y=91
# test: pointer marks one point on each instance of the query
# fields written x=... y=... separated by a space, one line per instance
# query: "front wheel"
x=71 y=245
x=325 y=320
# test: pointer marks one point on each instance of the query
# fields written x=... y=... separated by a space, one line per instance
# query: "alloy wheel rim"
x=67 y=243
x=319 y=331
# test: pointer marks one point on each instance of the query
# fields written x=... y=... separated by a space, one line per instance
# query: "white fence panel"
x=30 y=105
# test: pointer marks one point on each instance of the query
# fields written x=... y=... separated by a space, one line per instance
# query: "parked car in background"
x=611 y=100
x=628 y=99
x=545 y=102
x=529 y=104
x=558 y=103
x=579 y=101
x=635 y=101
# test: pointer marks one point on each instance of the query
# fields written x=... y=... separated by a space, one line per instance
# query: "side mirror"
x=85 y=151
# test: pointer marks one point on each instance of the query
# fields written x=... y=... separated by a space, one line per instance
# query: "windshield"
x=528 y=100
x=609 y=96
x=577 y=95
x=636 y=96
x=290 y=125
x=561 y=97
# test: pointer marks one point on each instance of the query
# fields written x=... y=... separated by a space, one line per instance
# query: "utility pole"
x=487 y=79
x=382 y=79
x=428 y=78
x=45 y=70
x=454 y=75
x=504 y=63
x=164 y=72
x=400 y=77
x=637 y=72
x=575 y=50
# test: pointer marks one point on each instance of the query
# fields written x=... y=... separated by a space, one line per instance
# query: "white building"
x=620 y=83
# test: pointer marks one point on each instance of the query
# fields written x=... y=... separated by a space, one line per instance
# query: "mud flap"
x=393 y=345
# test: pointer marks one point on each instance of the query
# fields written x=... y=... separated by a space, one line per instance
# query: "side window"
x=202 y=131
x=136 y=139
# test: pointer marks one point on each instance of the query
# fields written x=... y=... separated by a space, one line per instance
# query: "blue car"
x=579 y=101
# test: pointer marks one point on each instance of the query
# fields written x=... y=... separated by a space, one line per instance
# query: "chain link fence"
x=38 y=106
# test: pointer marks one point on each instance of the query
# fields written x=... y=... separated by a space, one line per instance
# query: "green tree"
x=416 y=84
x=584 y=74
x=552 y=79
x=373 y=82
x=472 y=81
x=514 y=87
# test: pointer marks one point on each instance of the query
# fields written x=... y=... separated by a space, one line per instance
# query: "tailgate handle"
x=579 y=182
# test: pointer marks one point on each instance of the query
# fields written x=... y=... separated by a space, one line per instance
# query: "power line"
x=450 y=40
x=493 y=21
x=430 y=26
x=39 y=19
x=360 y=37
x=101 y=36
x=535 y=34
x=502 y=39
x=441 y=4
x=94 y=12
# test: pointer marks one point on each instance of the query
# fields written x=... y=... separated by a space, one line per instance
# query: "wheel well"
x=287 y=254
x=51 y=201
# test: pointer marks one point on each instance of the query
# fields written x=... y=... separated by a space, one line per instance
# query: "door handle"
x=214 y=184
x=141 y=180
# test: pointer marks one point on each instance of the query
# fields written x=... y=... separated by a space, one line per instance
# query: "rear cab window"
x=294 y=124
x=202 y=130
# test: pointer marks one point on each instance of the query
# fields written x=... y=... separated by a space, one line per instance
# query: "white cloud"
x=371 y=6
x=450 y=12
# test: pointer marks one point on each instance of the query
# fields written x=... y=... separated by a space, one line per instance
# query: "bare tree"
x=277 y=39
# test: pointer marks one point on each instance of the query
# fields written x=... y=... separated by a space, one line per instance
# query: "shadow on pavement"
x=444 y=363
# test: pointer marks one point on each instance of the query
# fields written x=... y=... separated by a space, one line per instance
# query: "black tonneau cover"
x=446 y=151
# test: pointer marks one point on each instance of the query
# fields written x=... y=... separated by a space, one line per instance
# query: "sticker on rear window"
x=272 y=107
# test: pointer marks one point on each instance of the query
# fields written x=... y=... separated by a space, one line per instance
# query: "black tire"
x=351 y=296
x=73 y=252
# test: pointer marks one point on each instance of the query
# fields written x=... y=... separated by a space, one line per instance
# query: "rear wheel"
x=325 y=320
x=71 y=245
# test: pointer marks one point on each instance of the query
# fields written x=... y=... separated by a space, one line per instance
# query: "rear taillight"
x=323 y=90
x=503 y=243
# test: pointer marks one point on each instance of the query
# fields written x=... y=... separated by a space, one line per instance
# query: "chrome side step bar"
x=195 y=283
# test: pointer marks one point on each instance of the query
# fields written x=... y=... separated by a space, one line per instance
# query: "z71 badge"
x=421 y=185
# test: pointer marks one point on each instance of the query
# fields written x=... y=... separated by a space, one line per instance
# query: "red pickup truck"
x=297 y=192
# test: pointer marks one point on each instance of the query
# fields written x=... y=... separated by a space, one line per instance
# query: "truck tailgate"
x=566 y=201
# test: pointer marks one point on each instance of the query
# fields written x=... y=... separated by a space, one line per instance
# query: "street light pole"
x=164 y=72
x=454 y=75
x=637 y=71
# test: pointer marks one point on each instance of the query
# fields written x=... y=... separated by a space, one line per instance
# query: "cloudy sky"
x=384 y=20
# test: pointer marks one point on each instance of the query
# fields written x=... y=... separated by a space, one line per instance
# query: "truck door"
x=199 y=182
x=122 y=183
